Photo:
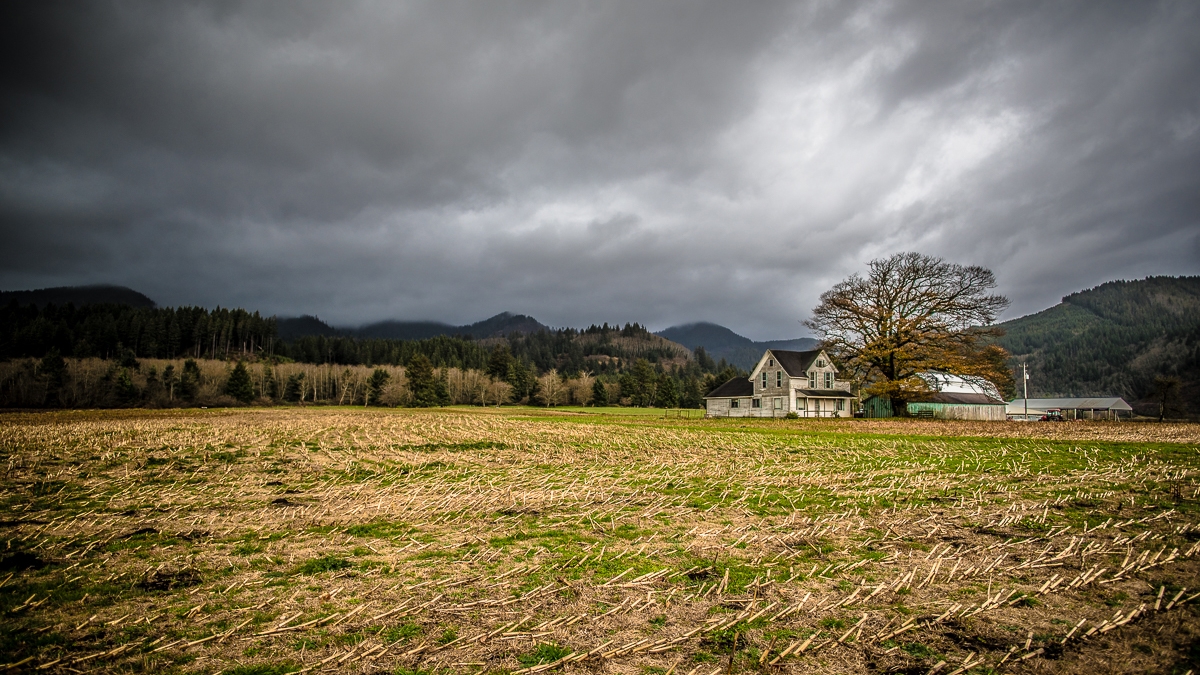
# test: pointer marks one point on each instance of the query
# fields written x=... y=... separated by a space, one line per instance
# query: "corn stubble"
x=290 y=540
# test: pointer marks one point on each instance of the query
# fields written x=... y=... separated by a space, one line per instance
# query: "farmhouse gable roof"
x=735 y=388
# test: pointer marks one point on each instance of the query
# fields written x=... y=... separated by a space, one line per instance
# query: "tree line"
x=54 y=381
x=109 y=331
x=114 y=355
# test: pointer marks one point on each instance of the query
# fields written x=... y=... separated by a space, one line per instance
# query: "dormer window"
x=770 y=362
x=820 y=363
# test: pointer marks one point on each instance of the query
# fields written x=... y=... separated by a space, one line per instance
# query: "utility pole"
x=1025 y=383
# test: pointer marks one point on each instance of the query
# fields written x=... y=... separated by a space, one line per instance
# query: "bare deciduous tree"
x=579 y=389
x=551 y=388
x=912 y=313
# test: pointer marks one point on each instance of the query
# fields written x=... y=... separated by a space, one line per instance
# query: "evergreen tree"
x=422 y=382
x=643 y=385
x=129 y=360
x=153 y=385
x=441 y=388
x=272 y=385
x=599 y=394
x=293 y=391
x=53 y=369
x=521 y=379
x=189 y=381
x=499 y=361
x=125 y=390
x=691 y=397
x=726 y=374
x=170 y=382
x=375 y=385
x=627 y=387
x=239 y=385
x=668 y=392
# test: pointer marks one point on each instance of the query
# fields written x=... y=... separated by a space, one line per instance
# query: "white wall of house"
x=777 y=393
x=725 y=407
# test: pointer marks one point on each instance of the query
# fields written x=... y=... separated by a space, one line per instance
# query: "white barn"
x=784 y=382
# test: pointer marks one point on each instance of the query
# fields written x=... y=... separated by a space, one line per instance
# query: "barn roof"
x=734 y=388
x=960 y=384
x=796 y=364
x=1090 y=403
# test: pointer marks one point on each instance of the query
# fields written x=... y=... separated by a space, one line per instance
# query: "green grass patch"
x=543 y=653
x=325 y=563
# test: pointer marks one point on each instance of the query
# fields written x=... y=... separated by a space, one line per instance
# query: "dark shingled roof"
x=796 y=363
x=734 y=388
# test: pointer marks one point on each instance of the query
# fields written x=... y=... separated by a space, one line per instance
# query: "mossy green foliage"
x=543 y=653
x=325 y=563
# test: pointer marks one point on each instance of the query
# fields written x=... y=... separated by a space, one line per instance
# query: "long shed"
x=1085 y=408
x=942 y=405
x=951 y=397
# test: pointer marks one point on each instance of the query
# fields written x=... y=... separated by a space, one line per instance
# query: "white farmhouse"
x=784 y=382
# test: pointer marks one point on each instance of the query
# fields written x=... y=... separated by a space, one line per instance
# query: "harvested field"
x=309 y=540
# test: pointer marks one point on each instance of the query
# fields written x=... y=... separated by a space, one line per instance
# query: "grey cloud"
x=652 y=162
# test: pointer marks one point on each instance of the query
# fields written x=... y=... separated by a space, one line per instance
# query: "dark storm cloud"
x=658 y=162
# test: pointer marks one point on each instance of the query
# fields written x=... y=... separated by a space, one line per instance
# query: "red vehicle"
x=1053 y=415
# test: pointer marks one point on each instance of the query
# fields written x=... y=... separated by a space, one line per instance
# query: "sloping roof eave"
x=737 y=387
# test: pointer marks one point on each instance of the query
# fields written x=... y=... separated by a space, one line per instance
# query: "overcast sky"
x=659 y=162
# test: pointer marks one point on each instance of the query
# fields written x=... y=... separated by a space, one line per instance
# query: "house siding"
x=784 y=388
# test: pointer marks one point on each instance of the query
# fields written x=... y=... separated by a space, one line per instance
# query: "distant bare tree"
x=579 y=389
x=497 y=392
x=551 y=388
x=912 y=313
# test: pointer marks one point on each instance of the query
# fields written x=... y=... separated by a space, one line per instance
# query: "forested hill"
x=722 y=343
x=1114 y=340
x=504 y=323
x=101 y=294
x=116 y=331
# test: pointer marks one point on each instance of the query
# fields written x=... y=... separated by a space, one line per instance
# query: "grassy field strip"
x=308 y=540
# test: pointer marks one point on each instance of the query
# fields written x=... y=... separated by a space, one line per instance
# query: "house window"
x=820 y=363
x=764 y=379
x=829 y=380
x=756 y=403
x=841 y=404
x=779 y=404
x=799 y=403
x=733 y=403
x=812 y=380
x=770 y=362
x=779 y=378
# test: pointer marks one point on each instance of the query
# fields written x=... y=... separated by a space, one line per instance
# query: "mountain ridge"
x=721 y=342
x=1114 y=339
x=92 y=294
